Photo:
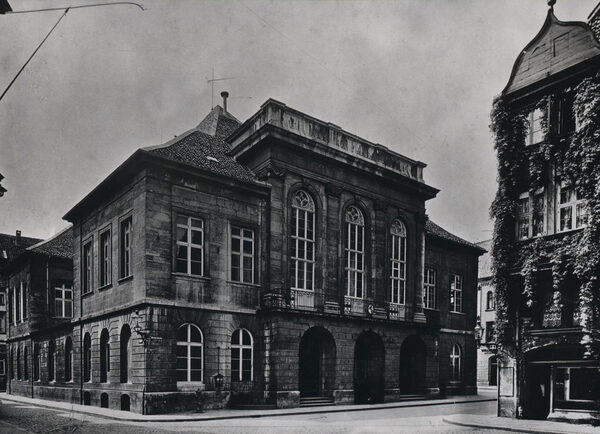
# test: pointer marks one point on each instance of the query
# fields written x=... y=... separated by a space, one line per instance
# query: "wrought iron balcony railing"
x=315 y=301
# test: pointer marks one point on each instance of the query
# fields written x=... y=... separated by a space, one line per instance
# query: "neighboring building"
x=546 y=215
x=40 y=302
x=10 y=247
x=280 y=261
x=487 y=361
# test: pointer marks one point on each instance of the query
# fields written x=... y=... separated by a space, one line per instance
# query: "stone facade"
x=199 y=297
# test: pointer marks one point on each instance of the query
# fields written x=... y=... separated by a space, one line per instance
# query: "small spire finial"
x=551 y=3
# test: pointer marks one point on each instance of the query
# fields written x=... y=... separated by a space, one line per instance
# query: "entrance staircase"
x=315 y=401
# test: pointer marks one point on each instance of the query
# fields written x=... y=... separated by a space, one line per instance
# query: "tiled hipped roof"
x=58 y=246
x=10 y=249
x=434 y=230
x=485 y=260
x=204 y=147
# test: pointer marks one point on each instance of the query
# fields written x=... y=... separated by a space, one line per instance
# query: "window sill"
x=125 y=279
x=255 y=285
x=490 y=310
x=191 y=276
x=435 y=309
x=457 y=313
x=86 y=294
x=107 y=286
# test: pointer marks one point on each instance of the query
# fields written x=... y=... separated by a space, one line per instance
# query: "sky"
x=417 y=76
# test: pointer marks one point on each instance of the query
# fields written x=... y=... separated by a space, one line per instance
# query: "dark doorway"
x=104 y=400
x=87 y=398
x=412 y=366
x=369 y=364
x=493 y=371
x=537 y=388
x=125 y=402
x=317 y=363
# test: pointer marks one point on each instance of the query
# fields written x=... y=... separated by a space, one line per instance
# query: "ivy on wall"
x=576 y=159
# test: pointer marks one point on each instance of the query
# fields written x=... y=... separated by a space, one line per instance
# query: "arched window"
x=87 y=357
x=125 y=353
x=18 y=363
x=398 y=259
x=489 y=304
x=355 y=252
x=51 y=361
x=68 y=359
x=36 y=362
x=189 y=353
x=455 y=363
x=25 y=363
x=241 y=355
x=104 y=356
x=303 y=241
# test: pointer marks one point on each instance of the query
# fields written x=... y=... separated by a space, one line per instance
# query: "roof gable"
x=557 y=47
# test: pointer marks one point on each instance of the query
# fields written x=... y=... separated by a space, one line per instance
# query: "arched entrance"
x=369 y=364
x=412 y=366
x=317 y=363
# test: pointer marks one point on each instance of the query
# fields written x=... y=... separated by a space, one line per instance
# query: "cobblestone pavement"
x=20 y=418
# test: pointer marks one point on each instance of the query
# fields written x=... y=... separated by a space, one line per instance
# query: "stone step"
x=315 y=401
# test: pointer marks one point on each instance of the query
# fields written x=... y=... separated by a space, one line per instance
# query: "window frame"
x=189 y=245
x=126 y=246
x=354 y=273
x=188 y=344
x=530 y=139
x=241 y=347
x=105 y=257
x=2 y=367
x=302 y=207
x=241 y=254
x=573 y=205
x=63 y=300
x=399 y=264
x=455 y=371
x=87 y=357
x=68 y=360
x=37 y=362
x=87 y=266
x=430 y=287
x=104 y=356
x=51 y=361
x=455 y=293
x=531 y=214
x=490 y=301
x=24 y=299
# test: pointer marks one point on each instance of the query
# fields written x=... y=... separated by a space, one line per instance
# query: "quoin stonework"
x=281 y=261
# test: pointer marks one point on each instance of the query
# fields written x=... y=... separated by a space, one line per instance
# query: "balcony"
x=288 y=299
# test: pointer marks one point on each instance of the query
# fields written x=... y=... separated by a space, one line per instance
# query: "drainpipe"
x=81 y=356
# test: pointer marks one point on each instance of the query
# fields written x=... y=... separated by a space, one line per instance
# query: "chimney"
x=18 y=239
x=224 y=95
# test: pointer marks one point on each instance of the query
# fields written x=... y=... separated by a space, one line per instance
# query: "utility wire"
x=33 y=54
x=78 y=7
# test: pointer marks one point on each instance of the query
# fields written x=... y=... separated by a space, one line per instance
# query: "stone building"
x=544 y=246
x=11 y=246
x=281 y=261
x=487 y=361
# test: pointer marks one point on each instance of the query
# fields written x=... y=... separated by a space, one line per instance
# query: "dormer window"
x=535 y=133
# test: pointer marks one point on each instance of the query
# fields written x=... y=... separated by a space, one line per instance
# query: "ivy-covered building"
x=546 y=247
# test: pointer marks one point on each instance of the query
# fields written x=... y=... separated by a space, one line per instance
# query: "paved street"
x=17 y=418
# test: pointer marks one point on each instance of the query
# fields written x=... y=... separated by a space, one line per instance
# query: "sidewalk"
x=232 y=414
x=518 y=425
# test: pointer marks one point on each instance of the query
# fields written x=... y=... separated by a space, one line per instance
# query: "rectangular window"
x=489 y=331
x=2 y=301
x=189 y=246
x=572 y=212
x=2 y=368
x=576 y=385
x=398 y=268
x=24 y=300
x=105 y=258
x=125 y=247
x=455 y=293
x=2 y=322
x=242 y=255
x=63 y=302
x=18 y=304
x=531 y=215
x=429 y=288
x=86 y=267
x=535 y=132
x=11 y=306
